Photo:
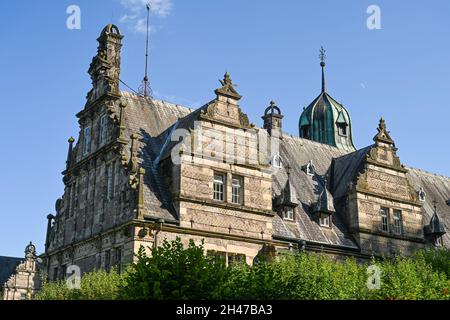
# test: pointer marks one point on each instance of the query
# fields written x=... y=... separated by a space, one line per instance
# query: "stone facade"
x=23 y=283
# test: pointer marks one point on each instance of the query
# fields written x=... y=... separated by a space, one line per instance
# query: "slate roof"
x=345 y=171
x=150 y=118
x=437 y=188
x=154 y=121
x=7 y=268
x=297 y=152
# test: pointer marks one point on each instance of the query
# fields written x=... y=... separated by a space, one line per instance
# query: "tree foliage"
x=175 y=272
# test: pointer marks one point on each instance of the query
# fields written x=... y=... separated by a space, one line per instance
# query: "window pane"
x=384 y=219
x=236 y=187
x=219 y=181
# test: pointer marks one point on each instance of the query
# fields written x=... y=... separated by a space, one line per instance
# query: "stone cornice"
x=391 y=235
x=390 y=198
x=225 y=205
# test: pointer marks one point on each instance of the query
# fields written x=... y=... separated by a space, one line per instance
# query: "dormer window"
x=305 y=132
x=438 y=241
x=86 y=140
x=276 y=161
x=102 y=130
x=324 y=220
x=342 y=129
x=288 y=213
x=310 y=169
x=421 y=194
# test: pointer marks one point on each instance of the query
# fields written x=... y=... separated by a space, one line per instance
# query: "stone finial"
x=228 y=88
x=70 y=152
x=383 y=134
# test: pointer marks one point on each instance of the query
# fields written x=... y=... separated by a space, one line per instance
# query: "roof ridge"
x=135 y=96
x=437 y=175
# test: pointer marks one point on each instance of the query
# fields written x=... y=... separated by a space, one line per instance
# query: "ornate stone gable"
x=383 y=172
x=225 y=108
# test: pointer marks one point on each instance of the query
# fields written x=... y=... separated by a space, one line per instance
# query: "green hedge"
x=175 y=272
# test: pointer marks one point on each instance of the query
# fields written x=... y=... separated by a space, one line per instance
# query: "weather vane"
x=322 y=56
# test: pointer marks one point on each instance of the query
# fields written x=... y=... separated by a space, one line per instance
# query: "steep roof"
x=150 y=118
x=7 y=268
x=437 y=188
x=297 y=152
x=155 y=120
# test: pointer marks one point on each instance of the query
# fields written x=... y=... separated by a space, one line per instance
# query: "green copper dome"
x=327 y=121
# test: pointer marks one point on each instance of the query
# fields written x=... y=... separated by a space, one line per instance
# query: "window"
x=310 y=169
x=63 y=272
x=438 y=241
x=102 y=130
x=288 y=213
x=305 y=132
x=342 y=129
x=109 y=181
x=87 y=140
x=324 y=220
x=228 y=258
x=237 y=190
x=118 y=259
x=384 y=219
x=234 y=258
x=219 y=185
x=108 y=260
x=276 y=162
x=421 y=193
x=398 y=224
x=55 y=273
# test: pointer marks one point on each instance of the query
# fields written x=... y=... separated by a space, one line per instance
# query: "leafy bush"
x=175 y=272
x=97 y=285
x=172 y=272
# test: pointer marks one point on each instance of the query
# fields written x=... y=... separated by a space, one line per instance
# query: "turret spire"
x=323 y=57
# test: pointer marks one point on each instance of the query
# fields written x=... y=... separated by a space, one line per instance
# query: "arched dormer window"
x=276 y=161
x=309 y=168
x=342 y=129
x=421 y=194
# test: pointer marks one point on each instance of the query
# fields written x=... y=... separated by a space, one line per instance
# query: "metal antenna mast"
x=145 y=88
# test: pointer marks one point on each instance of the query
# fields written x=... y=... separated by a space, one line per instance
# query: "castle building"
x=143 y=170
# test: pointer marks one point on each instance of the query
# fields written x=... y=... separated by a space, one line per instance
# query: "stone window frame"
x=237 y=197
x=110 y=177
x=102 y=130
x=288 y=213
x=87 y=140
x=107 y=260
x=228 y=257
x=385 y=213
x=398 y=221
x=219 y=186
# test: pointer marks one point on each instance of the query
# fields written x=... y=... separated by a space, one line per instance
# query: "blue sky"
x=400 y=72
